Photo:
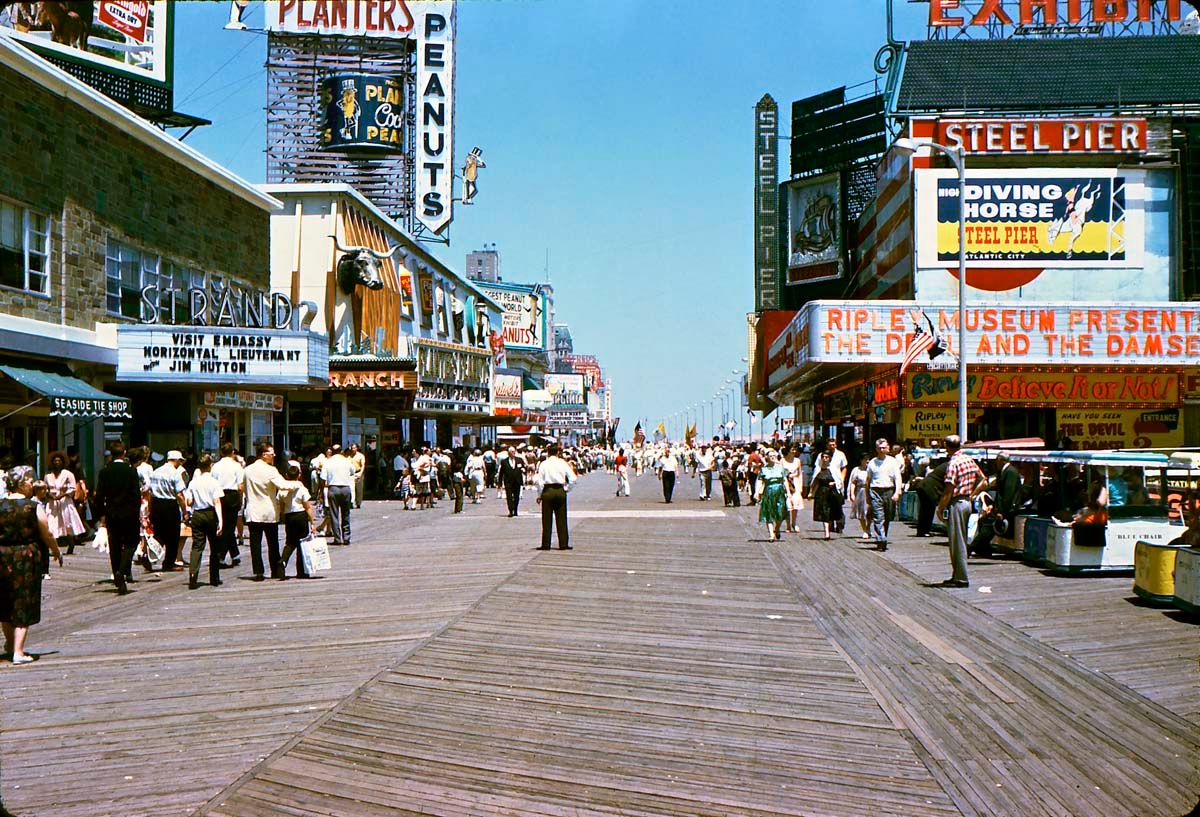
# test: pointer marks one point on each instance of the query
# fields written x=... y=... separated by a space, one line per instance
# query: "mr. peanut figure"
x=471 y=173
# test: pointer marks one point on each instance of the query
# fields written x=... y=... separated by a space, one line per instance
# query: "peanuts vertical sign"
x=435 y=115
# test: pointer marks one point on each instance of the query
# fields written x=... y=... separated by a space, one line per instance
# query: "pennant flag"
x=662 y=429
x=638 y=436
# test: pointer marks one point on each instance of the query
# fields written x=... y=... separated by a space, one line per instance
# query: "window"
x=123 y=279
x=24 y=249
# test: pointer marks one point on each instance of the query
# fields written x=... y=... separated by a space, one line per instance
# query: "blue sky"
x=618 y=136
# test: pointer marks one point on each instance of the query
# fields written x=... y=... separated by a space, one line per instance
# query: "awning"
x=69 y=396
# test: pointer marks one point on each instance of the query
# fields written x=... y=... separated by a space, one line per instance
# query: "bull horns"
x=379 y=255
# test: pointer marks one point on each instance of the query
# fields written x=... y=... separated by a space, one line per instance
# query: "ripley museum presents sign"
x=210 y=354
x=362 y=113
x=1030 y=218
x=1051 y=334
x=814 y=229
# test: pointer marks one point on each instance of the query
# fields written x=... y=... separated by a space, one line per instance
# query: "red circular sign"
x=998 y=279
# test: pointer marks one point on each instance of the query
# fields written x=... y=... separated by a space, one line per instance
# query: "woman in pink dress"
x=61 y=515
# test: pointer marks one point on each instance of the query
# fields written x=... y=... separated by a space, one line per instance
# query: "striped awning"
x=69 y=396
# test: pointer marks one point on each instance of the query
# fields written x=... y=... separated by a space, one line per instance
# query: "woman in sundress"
x=66 y=526
x=772 y=507
x=827 y=499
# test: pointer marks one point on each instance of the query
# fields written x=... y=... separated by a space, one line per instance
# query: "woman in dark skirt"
x=23 y=531
x=826 y=496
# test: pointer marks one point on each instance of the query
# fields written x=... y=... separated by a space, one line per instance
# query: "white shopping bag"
x=100 y=540
x=315 y=552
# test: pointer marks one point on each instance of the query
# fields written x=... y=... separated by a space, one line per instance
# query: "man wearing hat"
x=999 y=520
x=167 y=507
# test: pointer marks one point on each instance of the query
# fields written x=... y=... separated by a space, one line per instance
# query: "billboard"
x=1028 y=218
x=1074 y=334
x=566 y=389
x=507 y=393
x=131 y=38
x=352 y=18
x=589 y=367
x=362 y=112
x=815 y=229
x=525 y=314
x=1099 y=429
x=220 y=355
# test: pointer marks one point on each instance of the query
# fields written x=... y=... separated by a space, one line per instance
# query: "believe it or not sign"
x=1189 y=385
x=252 y=400
x=1032 y=218
x=931 y=425
x=1097 y=429
x=1036 y=15
x=766 y=203
x=1051 y=334
x=1021 y=389
x=362 y=112
x=1049 y=136
x=212 y=354
x=373 y=380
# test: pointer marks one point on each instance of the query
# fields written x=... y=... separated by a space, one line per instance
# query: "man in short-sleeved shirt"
x=963 y=479
x=167 y=506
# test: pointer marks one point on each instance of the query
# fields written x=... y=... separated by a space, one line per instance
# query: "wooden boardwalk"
x=665 y=667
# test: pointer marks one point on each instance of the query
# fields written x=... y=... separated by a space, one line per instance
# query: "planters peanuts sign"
x=362 y=112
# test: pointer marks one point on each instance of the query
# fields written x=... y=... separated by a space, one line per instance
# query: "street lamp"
x=958 y=158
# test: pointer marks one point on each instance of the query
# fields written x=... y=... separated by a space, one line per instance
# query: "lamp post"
x=958 y=158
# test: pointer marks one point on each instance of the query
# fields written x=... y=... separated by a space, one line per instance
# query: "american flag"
x=921 y=341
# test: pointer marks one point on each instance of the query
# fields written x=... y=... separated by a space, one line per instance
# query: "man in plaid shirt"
x=963 y=480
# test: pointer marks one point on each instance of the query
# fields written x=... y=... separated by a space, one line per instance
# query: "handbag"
x=314 y=550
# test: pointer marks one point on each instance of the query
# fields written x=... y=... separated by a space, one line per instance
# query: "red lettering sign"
x=1083 y=135
x=129 y=18
x=991 y=12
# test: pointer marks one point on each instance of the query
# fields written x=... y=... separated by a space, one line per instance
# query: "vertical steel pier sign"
x=766 y=204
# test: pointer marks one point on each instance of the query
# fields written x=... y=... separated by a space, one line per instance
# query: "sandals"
x=23 y=659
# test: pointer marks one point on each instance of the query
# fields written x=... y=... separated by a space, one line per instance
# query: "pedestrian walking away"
x=963 y=480
x=338 y=475
x=230 y=475
x=207 y=518
x=167 y=507
x=119 y=507
x=554 y=480
x=265 y=486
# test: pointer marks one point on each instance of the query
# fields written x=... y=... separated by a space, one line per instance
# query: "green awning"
x=69 y=396
x=530 y=383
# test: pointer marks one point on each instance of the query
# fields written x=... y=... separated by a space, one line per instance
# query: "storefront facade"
x=87 y=246
x=410 y=340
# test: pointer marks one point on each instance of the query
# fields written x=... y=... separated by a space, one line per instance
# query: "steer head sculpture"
x=359 y=265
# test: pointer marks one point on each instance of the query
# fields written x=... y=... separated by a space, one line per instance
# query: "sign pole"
x=960 y=164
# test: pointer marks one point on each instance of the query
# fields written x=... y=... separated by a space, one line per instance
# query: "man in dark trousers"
x=554 y=479
x=118 y=503
x=929 y=491
x=1000 y=517
x=512 y=476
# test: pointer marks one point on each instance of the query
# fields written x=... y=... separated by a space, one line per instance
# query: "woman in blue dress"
x=772 y=508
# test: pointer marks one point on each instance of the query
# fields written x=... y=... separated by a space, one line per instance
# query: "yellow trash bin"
x=1154 y=573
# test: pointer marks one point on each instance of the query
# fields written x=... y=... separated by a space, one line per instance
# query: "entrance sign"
x=1099 y=429
x=1078 y=136
x=210 y=354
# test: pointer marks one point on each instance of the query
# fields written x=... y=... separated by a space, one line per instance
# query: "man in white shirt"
x=264 y=486
x=167 y=507
x=837 y=467
x=883 y=491
x=205 y=499
x=670 y=466
x=399 y=465
x=554 y=479
x=338 y=475
x=229 y=474
x=705 y=463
